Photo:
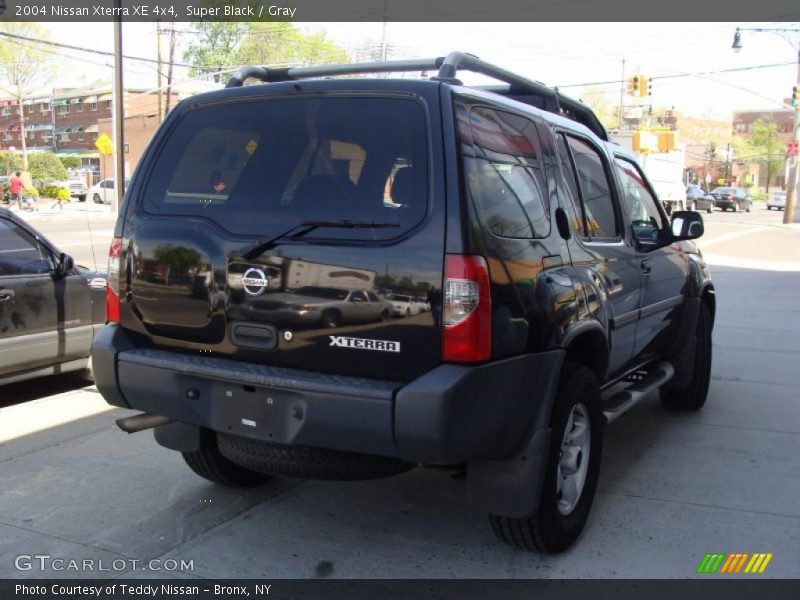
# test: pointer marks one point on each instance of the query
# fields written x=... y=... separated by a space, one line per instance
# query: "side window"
x=20 y=254
x=372 y=297
x=599 y=216
x=503 y=172
x=643 y=214
x=358 y=297
x=578 y=223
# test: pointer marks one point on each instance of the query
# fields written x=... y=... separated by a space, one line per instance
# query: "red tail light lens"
x=466 y=310
x=112 y=289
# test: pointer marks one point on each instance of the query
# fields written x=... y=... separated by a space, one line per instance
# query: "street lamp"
x=791 y=183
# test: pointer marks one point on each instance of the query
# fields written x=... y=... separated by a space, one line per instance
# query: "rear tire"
x=708 y=210
x=210 y=464
x=733 y=208
x=305 y=462
x=694 y=396
x=559 y=522
x=96 y=199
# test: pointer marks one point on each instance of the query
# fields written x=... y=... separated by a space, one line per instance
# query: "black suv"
x=560 y=293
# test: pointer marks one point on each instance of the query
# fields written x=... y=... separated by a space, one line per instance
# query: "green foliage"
x=9 y=163
x=54 y=191
x=31 y=191
x=224 y=44
x=45 y=166
x=70 y=162
x=762 y=147
x=63 y=195
x=759 y=196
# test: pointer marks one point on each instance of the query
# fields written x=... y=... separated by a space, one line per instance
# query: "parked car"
x=776 y=200
x=327 y=306
x=697 y=199
x=77 y=189
x=562 y=294
x=103 y=191
x=404 y=305
x=50 y=308
x=732 y=198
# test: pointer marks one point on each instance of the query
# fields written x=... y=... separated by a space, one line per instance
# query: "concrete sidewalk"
x=71 y=211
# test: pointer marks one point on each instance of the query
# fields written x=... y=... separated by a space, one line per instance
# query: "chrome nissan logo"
x=254 y=281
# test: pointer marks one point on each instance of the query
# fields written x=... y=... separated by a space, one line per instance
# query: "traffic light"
x=644 y=88
x=633 y=86
x=795 y=93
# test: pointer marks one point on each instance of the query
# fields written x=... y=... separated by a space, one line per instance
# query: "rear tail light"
x=112 y=289
x=466 y=310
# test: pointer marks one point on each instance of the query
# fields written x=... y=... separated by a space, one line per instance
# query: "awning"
x=28 y=102
x=60 y=102
x=61 y=130
x=77 y=129
x=105 y=98
x=42 y=127
x=6 y=102
x=78 y=154
x=92 y=128
x=75 y=100
x=90 y=100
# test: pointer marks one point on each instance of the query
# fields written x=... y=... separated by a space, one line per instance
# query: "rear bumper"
x=449 y=415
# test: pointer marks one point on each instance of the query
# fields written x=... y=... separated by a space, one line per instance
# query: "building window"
x=79 y=107
x=740 y=127
x=45 y=107
x=80 y=136
x=93 y=106
x=63 y=109
x=6 y=136
x=63 y=137
x=108 y=104
x=6 y=111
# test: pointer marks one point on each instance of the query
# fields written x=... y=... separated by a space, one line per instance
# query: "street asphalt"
x=673 y=486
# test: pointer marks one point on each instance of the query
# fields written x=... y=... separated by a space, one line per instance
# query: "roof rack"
x=518 y=88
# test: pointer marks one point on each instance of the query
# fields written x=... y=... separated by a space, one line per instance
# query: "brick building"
x=67 y=121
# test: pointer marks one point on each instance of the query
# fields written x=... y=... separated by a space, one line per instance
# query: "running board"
x=620 y=402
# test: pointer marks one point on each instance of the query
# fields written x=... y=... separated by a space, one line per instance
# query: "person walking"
x=16 y=187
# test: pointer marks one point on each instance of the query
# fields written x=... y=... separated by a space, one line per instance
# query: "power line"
x=679 y=75
x=81 y=49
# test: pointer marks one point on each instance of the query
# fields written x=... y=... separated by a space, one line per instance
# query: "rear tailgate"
x=271 y=229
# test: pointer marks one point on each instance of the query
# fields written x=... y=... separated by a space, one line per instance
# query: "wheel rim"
x=573 y=460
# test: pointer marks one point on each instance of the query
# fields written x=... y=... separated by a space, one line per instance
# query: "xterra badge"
x=254 y=281
x=364 y=344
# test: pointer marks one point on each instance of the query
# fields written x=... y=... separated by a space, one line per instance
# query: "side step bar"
x=141 y=422
x=620 y=402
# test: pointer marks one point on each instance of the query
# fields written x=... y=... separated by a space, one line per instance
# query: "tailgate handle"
x=254 y=335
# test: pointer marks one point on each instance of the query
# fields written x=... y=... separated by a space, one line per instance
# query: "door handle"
x=6 y=295
x=646 y=267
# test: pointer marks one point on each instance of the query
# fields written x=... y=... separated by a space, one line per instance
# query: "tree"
x=215 y=47
x=45 y=166
x=22 y=65
x=177 y=260
x=9 y=162
x=221 y=44
x=605 y=104
x=70 y=162
x=762 y=147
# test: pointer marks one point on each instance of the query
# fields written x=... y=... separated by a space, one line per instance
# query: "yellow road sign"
x=104 y=144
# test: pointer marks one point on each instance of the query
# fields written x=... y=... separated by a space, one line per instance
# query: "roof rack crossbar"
x=447 y=67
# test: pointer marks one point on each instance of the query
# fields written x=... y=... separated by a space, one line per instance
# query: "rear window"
x=263 y=167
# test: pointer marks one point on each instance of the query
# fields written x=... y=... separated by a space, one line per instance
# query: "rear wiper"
x=307 y=227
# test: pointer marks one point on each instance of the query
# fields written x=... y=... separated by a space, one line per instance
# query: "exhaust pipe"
x=141 y=422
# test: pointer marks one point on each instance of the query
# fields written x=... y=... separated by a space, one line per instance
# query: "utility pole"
x=169 y=66
x=158 y=71
x=118 y=116
x=22 y=131
x=621 y=93
x=789 y=215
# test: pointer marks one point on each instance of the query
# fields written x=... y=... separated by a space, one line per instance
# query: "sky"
x=563 y=54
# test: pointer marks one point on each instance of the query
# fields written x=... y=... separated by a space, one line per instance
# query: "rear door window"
x=261 y=167
x=503 y=177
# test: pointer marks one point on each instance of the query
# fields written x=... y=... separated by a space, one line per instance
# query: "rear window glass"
x=263 y=167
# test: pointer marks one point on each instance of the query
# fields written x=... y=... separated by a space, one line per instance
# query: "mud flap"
x=512 y=487
x=683 y=350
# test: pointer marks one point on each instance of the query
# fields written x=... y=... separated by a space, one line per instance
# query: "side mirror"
x=686 y=225
x=66 y=264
